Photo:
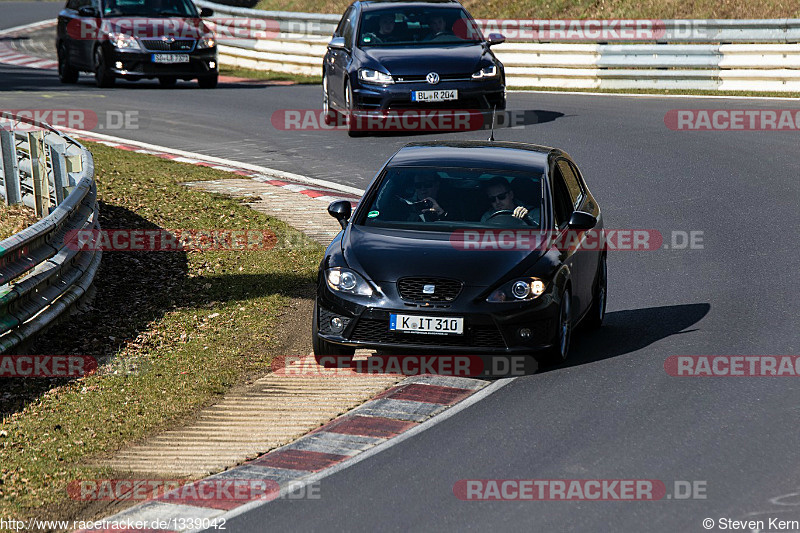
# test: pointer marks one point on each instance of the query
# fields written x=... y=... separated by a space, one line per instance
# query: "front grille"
x=377 y=331
x=444 y=290
x=417 y=78
x=160 y=45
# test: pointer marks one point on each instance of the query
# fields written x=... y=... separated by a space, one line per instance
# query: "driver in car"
x=501 y=198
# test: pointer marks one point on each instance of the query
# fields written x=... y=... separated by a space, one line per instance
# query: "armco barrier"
x=688 y=54
x=40 y=277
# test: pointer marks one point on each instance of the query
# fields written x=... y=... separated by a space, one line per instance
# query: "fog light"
x=337 y=325
x=212 y=64
x=525 y=333
x=119 y=65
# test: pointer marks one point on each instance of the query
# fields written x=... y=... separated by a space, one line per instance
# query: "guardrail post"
x=9 y=167
x=41 y=186
x=60 y=176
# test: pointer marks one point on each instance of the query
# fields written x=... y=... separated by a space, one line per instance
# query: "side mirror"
x=337 y=43
x=581 y=221
x=496 y=38
x=206 y=12
x=340 y=210
x=88 y=11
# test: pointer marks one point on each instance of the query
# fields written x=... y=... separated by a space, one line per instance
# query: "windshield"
x=149 y=8
x=442 y=199
x=417 y=26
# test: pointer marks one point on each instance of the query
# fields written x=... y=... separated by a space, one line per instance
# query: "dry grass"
x=585 y=9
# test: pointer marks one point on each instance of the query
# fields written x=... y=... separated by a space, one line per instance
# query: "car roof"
x=368 y=5
x=478 y=154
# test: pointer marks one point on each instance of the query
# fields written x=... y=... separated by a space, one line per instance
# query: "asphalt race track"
x=613 y=412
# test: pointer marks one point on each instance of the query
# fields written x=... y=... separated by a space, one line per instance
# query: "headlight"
x=518 y=291
x=206 y=41
x=122 y=41
x=374 y=76
x=488 y=72
x=346 y=280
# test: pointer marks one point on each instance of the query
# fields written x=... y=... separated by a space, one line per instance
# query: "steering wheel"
x=510 y=213
x=439 y=34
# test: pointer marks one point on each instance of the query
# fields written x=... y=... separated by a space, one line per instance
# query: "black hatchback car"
x=400 y=55
x=136 y=39
x=420 y=264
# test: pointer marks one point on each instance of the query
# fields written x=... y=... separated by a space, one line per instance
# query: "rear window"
x=443 y=199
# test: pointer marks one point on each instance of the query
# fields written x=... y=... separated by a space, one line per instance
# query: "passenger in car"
x=386 y=28
x=426 y=188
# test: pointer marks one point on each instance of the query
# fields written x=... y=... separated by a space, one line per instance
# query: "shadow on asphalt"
x=478 y=121
x=627 y=331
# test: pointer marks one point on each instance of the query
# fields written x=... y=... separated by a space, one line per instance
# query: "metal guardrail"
x=733 y=54
x=40 y=276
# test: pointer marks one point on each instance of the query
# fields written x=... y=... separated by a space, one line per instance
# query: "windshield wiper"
x=172 y=14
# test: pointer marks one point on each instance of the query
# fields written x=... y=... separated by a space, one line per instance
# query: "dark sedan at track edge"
x=418 y=267
x=136 y=39
x=391 y=55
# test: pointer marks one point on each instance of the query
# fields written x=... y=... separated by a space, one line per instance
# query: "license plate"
x=170 y=58
x=429 y=325
x=434 y=96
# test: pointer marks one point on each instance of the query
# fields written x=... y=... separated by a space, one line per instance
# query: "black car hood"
x=384 y=255
x=154 y=28
x=420 y=60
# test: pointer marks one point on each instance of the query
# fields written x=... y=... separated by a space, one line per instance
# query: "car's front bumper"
x=201 y=63
x=489 y=328
x=472 y=94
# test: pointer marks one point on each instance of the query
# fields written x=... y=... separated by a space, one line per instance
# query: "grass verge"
x=301 y=79
x=14 y=219
x=583 y=9
x=179 y=329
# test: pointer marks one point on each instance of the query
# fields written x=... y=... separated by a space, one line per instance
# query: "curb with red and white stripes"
x=321 y=190
x=11 y=56
x=412 y=406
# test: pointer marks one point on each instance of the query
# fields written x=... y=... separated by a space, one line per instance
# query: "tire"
x=351 y=121
x=66 y=72
x=559 y=352
x=597 y=312
x=328 y=114
x=326 y=354
x=208 y=82
x=102 y=76
x=167 y=82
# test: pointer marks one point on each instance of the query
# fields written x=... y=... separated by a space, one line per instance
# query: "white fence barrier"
x=687 y=54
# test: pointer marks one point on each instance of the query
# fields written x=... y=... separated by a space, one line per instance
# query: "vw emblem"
x=428 y=289
x=433 y=78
